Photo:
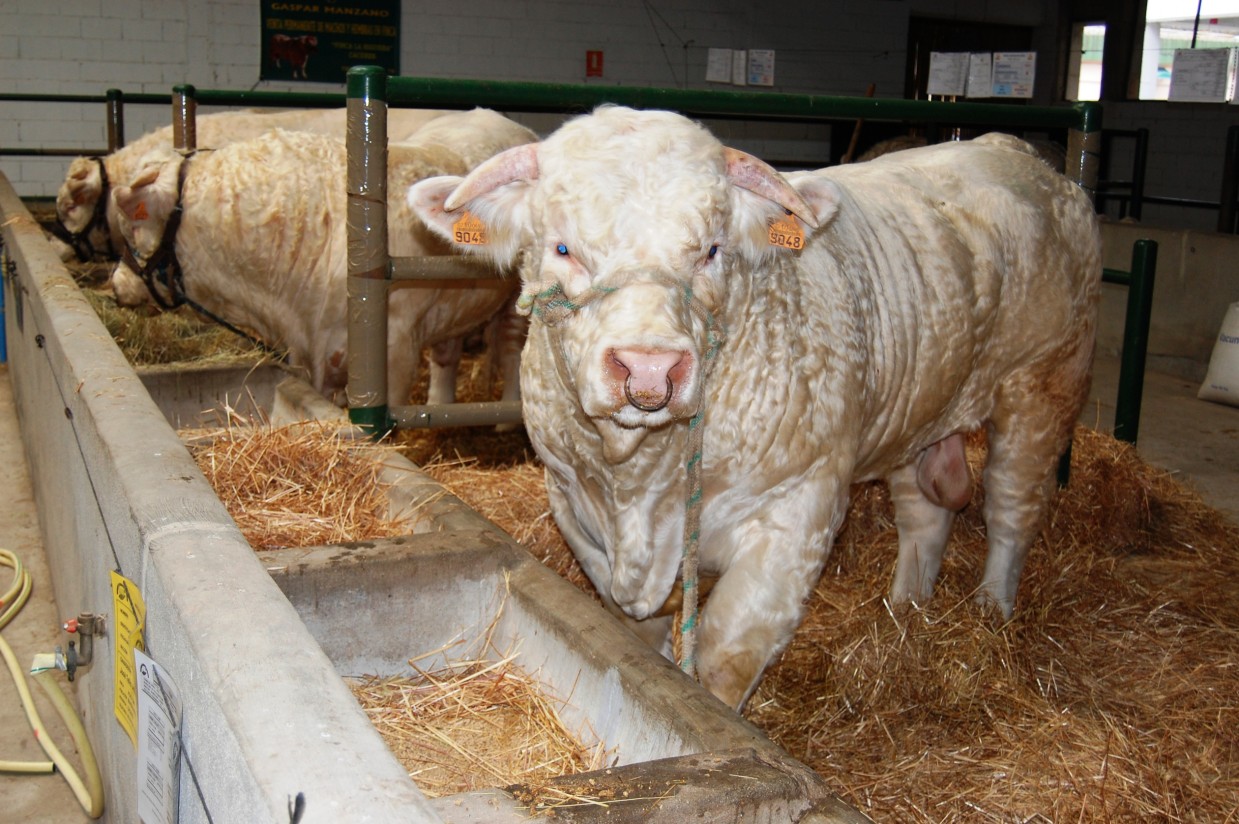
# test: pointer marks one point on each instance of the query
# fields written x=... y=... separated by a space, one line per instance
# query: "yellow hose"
x=89 y=793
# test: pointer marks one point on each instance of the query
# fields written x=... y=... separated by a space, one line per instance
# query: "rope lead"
x=552 y=306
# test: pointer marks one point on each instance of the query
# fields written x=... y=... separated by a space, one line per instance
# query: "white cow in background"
x=84 y=209
x=262 y=244
x=832 y=327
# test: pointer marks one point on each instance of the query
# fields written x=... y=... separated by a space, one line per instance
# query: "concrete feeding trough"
x=374 y=605
x=257 y=644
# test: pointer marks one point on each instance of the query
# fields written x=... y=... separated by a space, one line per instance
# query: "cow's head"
x=631 y=222
x=78 y=200
x=143 y=208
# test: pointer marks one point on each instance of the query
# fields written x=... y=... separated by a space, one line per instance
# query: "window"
x=1084 y=71
x=1182 y=24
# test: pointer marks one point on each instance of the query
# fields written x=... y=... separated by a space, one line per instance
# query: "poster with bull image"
x=320 y=42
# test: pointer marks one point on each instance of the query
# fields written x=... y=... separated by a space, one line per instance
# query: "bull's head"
x=79 y=210
x=143 y=208
x=631 y=221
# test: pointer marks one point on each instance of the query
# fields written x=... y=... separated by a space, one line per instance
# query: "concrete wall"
x=1196 y=280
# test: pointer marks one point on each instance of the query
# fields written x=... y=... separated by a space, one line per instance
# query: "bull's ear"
x=771 y=213
x=820 y=193
x=484 y=212
x=132 y=199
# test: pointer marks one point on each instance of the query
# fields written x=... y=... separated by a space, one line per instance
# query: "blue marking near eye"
x=561 y=249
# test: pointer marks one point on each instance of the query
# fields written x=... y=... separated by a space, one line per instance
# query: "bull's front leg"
x=777 y=555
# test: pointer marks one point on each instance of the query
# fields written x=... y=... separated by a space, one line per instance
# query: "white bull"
x=831 y=327
x=85 y=213
x=261 y=243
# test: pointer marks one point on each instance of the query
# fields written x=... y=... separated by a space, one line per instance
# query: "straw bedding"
x=1110 y=696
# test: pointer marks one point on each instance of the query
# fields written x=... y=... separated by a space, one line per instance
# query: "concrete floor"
x=1198 y=441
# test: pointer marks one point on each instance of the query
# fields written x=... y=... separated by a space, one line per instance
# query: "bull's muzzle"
x=649 y=376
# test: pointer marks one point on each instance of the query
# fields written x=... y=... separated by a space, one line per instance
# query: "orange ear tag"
x=140 y=213
x=469 y=231
x=786 y=232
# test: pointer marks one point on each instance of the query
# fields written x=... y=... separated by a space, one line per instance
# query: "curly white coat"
x=935 y=291
x=262 y=243
x=84 y=185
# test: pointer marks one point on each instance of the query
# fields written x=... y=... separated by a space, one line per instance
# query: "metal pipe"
x=443 y=268
x=433 y=416
x=1135 y=337
x=368 y=260
x=116 y=119
x=1139 y=163
x=1230 y=183
x=564 y=97
x=184 y=124
x=1084 y=143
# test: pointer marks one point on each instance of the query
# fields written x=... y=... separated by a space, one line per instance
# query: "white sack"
x=1222 y=380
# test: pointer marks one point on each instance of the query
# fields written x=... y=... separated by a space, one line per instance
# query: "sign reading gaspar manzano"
x=320 y=42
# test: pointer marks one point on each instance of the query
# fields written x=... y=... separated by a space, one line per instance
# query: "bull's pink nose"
x=648 y=384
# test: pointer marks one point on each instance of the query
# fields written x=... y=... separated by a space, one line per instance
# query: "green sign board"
x=320 y=42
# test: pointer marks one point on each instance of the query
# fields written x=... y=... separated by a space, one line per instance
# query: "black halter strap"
x=80 y=241
x=162 y=269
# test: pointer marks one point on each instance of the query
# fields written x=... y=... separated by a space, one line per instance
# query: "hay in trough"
x=307 y=484
x=149 y=338
x=478 y=721
x=1109 y=696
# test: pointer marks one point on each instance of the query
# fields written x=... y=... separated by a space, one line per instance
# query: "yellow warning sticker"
x=786 y=232
x=469 y=230
x=130 y=612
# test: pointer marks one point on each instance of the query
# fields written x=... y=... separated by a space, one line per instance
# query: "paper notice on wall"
x=948 y=73
x=718 y=66
x=980 y=75
x=130 y=612
x=739 y=67
x=1202 y=76
x=761 y=67
x=159 y=743
x=1014 y=73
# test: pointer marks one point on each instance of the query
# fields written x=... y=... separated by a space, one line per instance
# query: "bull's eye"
x=561 y=249
x=713 y=251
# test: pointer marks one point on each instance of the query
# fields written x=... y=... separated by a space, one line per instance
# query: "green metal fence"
x=370 y=91
x=372 y=272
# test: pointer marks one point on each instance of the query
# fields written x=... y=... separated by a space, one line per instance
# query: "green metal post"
x=1084 y=168
x=368 y=260
x=1135 y=340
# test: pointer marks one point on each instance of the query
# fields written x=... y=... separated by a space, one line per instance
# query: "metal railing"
x=372 y=271
x=370 y=91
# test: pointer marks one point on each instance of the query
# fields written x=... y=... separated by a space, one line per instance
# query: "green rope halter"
x=552 y=306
